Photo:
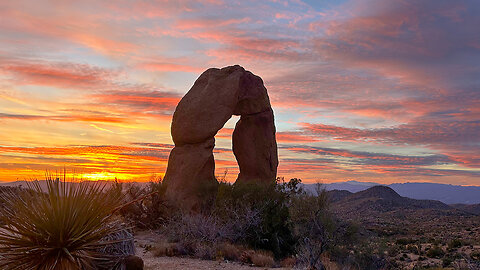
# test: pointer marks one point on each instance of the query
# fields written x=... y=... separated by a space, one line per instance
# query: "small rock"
x=133 y=263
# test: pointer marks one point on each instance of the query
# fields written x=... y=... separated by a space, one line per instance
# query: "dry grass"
x=262 y=259
x=229 y=252
x=257 y=258
x=288 y=262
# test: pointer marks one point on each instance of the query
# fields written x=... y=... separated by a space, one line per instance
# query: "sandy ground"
x=144 y=240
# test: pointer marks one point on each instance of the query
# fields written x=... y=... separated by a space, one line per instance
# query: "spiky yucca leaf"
x=60 y=227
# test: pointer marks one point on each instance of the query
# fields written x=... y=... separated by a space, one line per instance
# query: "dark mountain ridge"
x=469 y=208
x=448 y=194
x=380 y=199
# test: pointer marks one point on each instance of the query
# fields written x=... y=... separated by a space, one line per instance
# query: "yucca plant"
x=60 y=226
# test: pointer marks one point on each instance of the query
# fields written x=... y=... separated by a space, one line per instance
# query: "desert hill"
x=381 y=199
x=446 y=193
x=469 y=208
x=382 y=204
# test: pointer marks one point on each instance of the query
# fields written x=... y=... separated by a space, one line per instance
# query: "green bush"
x=64 y=226
x=264 y=207
x=455 y=243
x=404 y=241
x=313 y=226
x=414 y=249
x=393 y=251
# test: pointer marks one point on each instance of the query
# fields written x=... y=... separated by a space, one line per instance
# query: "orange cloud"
x=170 y=67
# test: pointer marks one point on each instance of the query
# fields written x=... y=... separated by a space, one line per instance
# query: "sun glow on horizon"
x=355 y=96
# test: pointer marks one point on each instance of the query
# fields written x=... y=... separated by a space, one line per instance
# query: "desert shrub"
x=313 y=226
x=205 y=251
x=67 y=227
x=288 y=262
x=162 y=249
x=435 y=252
x=364 y=257
x=229 y=252
x=257 y=258
x=475 y=255
x=393 y=251
x=152 y=210
x=449 y=259
x=404 y=241
x=258 y=215
x=192 y=228
x=455 y=243
x=414 y=249
x=251 y=214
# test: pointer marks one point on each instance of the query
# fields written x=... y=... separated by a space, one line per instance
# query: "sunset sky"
x=374 y=90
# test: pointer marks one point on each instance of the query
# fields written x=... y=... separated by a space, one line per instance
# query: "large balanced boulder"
x=215 y=96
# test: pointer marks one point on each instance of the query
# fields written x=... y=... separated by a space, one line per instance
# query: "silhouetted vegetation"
x=247 y=221
x=62 y=226
x=151 y=211
x=263 y=224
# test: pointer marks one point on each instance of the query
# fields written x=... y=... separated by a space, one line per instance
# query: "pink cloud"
x=170 y=67
x=55 y=74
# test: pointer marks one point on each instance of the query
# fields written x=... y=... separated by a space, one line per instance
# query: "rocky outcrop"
x=255 y=147
x=215 y=96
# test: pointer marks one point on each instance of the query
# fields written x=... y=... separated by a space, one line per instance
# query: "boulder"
x=255 y=147
x=133 y=263
x=215 y=96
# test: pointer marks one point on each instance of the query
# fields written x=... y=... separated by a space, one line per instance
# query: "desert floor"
x=144 y=241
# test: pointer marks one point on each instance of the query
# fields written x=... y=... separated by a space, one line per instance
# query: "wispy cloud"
x=354 y=84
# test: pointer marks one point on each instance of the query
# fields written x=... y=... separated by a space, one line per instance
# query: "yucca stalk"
x=62 y=226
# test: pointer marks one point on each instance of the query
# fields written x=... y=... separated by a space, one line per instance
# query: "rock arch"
x=215 y=96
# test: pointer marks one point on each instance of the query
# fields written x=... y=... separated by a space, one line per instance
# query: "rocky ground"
x=145 y=241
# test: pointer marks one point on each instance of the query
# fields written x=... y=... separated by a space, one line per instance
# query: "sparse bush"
x=393 y=251
x=414 y=249
x=404 y=241
x=447 y=261
x=258 y=213
x=312 y=225
x=365 y=258
x=288 y=262
x=435 y=252
x=190 y=230
x=65 y=228
x=455 y=243
x=165 y=249
x=152 y=210
x=257 y=258
x=205 y=251
x=475 y=255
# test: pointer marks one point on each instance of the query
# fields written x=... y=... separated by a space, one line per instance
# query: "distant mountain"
x=352 y=186
x=449 y=194
x=338 y=195
x=379 y=199
x=469 y=208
